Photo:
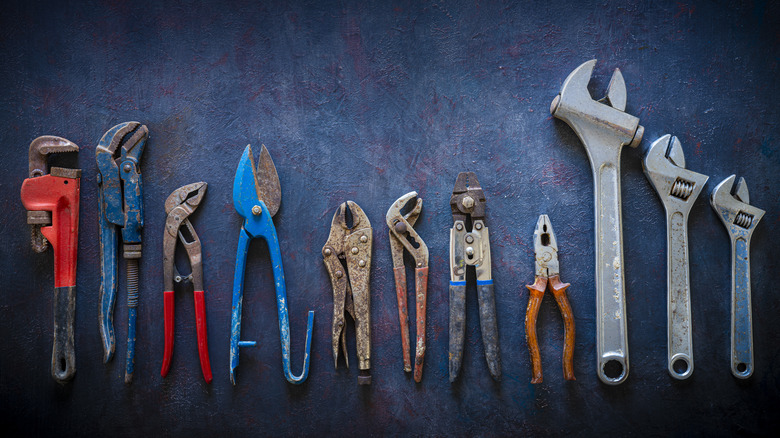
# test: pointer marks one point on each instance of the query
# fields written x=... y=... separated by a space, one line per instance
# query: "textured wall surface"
x=367 y=101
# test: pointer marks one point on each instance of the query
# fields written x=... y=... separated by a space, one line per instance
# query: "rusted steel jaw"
x=403 y=236
x=471 y=248
x=179 y=206
x=40 y=149
x=545 y=249
x=347 y=257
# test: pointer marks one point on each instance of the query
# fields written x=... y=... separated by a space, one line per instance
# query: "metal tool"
x=740 y=219
x=471 y=248
x=604 y=128
x=347 y=257
x=678 y=188
x=51 y=197
x=179 y=206
x=548 y=274
x=403 y=236
x=120 y=204
x=256 y=196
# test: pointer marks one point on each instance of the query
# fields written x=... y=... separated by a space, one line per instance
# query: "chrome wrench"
x=740 y=220
x=678 y=188
x=604 y=128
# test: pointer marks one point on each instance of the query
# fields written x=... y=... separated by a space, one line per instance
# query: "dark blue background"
x=367 y=101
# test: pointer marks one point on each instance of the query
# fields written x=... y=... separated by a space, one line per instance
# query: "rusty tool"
x=179 y=206
x=120 y=205
x=604 y=128
x=548 y=274
x=403 y=236
x=740 y=219
x=347 y=257
x=256 y=197
x=51 y=197
x=471 y=248
x=678 y=189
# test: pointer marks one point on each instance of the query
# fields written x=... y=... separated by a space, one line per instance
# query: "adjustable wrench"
x=678 y=188
x=604 y=128
x=740 y=220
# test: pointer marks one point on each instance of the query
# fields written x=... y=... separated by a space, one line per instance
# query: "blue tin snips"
x=120 y=203
x=256 y=196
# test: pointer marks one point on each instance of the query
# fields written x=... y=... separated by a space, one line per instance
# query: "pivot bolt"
x=468 y=202
x=256 y=210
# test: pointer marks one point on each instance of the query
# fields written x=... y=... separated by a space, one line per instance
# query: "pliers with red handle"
x=547 y=273
x=179 y=206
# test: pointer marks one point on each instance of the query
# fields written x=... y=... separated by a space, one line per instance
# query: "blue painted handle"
x=108 y=284
x=741 y=315
x=238 y=296
x=269 y=233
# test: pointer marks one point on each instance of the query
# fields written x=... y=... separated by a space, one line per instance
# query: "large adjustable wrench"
x=678 y=189
x=604 y=128
x=740 y=219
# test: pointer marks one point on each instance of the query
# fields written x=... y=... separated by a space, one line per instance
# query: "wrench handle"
x=679 y=339
x=611 y=337
x=63 y=356
x=741 y=314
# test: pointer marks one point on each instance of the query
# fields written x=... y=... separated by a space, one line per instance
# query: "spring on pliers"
x=682 y=189
x=743 y=219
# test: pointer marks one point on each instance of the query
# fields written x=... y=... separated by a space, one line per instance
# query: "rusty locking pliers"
x=179 y=206
x=347 y=257
x=548 y=274
x=402 y=235
x=471 y=248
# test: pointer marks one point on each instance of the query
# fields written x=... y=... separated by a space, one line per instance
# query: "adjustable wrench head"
x=664 y=166
x=598 y=124
x=738 y=216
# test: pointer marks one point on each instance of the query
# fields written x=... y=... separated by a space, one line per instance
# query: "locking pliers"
x=347 y=257
x=179 y=206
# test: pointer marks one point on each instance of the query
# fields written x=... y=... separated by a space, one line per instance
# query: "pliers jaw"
x=545 y=249
x=347 y=257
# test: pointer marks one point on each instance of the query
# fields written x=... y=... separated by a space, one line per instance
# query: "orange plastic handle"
x=536 y=293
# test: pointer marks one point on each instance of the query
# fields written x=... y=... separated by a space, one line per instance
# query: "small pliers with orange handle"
x=547 y=273
x=179 y=206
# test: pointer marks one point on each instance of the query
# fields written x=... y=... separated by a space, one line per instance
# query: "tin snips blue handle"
x=261 y=225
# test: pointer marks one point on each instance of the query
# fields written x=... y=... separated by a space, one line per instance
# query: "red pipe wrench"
x=51 y=197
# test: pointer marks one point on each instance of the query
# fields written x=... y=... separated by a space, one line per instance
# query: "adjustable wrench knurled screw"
x=740 y=219
x=604 y=128
x=678 y=188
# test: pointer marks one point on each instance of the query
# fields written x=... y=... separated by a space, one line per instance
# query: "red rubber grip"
x=168 y=309
x=203 y=342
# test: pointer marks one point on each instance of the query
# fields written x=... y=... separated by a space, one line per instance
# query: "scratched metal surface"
x=367 y=102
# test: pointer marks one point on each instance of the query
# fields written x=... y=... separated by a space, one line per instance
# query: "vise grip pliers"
x=51 y=197
x=471 y=248
x=403 y=236
x=120 y=204
x=256 y=197
x=347 y=257
x=179 y=206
